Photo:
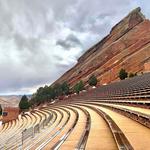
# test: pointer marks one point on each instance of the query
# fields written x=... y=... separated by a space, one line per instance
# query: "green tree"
x=75 y=88
x=42 y=95
x=65 y=88
x=51 y=92
x=123 y=74
x=47 y=93
x=24 y=103
x=79 y=87
x=58 y=90
x=0 y=110
x=92 y=81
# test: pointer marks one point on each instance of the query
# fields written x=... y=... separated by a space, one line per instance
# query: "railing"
x=27 y=133
x=120 y=139
x=143 y=119
x=18 y=140
x=64 y=137
x=83 y=140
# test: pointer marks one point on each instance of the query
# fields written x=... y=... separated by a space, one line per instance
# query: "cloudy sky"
x=41 y=39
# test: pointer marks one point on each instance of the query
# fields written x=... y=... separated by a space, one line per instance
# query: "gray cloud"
x=40 y=40
x=70 y=41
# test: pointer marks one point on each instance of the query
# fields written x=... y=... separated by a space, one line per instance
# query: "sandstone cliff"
x=127 y=46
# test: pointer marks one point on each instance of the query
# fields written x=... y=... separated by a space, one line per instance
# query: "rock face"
x=10 y=113
x=127 y=46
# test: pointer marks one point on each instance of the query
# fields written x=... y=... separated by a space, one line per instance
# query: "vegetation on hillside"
x=65 y=88
x=123 y=74
x=92 y=81
x=24 y=103
x=58 y=91
x=131 y=75
x=79 y=87
x=49 y=93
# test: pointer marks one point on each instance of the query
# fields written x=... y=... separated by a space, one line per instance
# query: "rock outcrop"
x=127 y=46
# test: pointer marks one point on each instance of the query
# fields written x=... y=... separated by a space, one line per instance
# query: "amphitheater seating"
x=133 y=88
x=115 y=115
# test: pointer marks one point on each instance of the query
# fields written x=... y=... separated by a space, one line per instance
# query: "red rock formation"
x=147 y=66
x=10 y=113
x=127 y=46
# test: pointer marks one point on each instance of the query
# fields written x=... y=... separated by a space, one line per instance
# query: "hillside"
x=12 y=100
x=3 y=102
x=127 y=46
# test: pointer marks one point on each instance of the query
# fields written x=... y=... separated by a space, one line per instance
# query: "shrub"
x=131 y=75
x=65 y=88
x=123 y=74
x=92 y=81
x=79 y=87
